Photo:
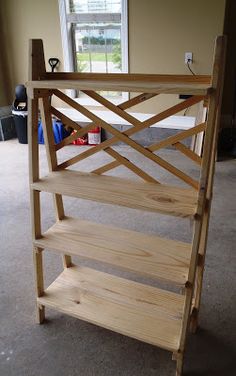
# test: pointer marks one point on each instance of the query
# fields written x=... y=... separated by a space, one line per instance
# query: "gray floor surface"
x=65 y=346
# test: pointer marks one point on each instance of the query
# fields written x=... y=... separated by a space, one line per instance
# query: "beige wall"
x=228 y=102
x=160 y=31
x=26 y=19
x=5 y=77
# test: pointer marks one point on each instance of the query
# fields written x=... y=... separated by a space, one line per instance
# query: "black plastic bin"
x=19 y=112
x=20 y=120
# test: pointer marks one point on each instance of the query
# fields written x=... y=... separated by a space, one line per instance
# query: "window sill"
x=89 y=102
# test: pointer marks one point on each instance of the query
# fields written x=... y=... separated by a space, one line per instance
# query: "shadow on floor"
x=215 y=357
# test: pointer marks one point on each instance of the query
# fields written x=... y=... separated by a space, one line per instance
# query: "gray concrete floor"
x=64 y=346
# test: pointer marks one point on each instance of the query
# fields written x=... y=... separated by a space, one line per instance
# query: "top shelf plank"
x=152 y=83
x=180 y=78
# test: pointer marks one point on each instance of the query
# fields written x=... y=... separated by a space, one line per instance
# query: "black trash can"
x=19 y=112
x=20 y=120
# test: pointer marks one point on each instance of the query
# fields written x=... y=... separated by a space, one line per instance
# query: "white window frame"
x=67 y=42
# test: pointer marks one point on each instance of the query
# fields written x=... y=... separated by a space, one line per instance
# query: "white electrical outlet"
x=188 y=57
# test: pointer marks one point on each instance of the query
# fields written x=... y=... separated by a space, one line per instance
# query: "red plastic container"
x=80 y=140
x=94 y=136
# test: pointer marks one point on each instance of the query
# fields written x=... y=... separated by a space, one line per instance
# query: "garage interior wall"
x=24 y=20
x=5 y=75
x=160 y=32
x=229 y=92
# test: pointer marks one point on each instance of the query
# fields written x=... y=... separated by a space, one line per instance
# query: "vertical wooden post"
x=199 y=272
x=217 y=83
x=204 y=235
x=179 y=364
x=179 y=358
x=38 y=265
x=52 y=161
x=197 y=139
x=35 y=197
x=50 y=149
x=34 y=176
x=37 y=71
x=34 y=166
x=201 y=226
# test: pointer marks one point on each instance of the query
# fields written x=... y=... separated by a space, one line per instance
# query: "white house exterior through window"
x=94 y=35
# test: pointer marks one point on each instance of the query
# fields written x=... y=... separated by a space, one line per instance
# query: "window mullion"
x=93 y=17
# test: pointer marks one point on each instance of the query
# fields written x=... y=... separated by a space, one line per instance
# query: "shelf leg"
x=60 y=214
x=179 y=357
x=67 y=262
x=52 y=162
x=40 y=314
x=193 y=324
x=39 y=283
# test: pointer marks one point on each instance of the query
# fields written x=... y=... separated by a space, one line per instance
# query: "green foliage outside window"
x=116 y=56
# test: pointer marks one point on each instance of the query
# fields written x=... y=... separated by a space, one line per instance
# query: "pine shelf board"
x=117 y=191
x=129 y=308
x=147 y=255
x=137 y=85
x=129 y=77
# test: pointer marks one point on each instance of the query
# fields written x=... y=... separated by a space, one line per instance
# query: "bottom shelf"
x=143 y=312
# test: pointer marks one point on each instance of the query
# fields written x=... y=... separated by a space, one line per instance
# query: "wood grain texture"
x=201 y=117
x=39 y=281
x=188 y=152
x=50 y=150
x=35 y=211
x=209 y=168
x=112 y=107
x=172 y=140
x=124 y=85
x=45 y=110
x=131 y=166
x=117 y=191
x=37 y=69
x=52 y=161
x=146 y=254
x=130 y=308
x=38 y=264
x=177 y=137
x=80 y=131
x=149 y=314
x=121 y=136
x=176 y=78
x=206 y=178
x=147 y=123
x=136 y=100
x=105 y=168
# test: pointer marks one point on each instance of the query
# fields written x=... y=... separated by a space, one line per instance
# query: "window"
x=94 y=35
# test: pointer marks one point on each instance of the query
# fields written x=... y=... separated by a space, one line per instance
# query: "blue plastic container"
x=59 y=132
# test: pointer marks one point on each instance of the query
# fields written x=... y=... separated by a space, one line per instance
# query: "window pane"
x=98 y=47
x=95 y=28
x=95 y=6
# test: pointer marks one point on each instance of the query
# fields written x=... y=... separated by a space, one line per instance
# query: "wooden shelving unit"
x=154 y=315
